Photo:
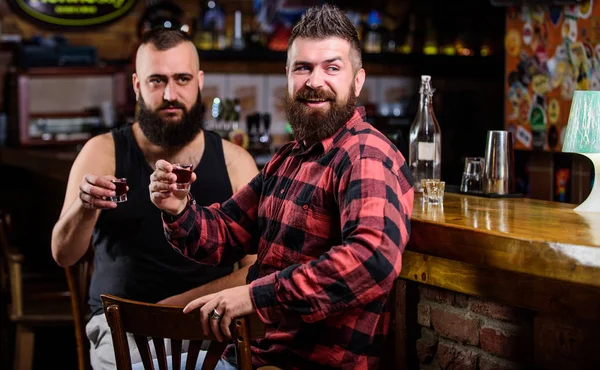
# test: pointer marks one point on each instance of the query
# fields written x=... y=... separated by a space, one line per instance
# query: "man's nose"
x=316 y=79
x=170 y=93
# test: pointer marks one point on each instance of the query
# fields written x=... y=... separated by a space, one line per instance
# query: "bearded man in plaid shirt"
x=328 y=217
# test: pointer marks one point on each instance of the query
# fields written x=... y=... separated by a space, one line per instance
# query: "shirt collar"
x=328 y=143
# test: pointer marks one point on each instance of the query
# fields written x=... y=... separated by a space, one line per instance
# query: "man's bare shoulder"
x=235 y=153
x=103 y=141
x=241 y=166
x=99 y=149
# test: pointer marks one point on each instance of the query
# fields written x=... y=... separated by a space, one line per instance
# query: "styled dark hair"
x=324 y=21
x=164 y=38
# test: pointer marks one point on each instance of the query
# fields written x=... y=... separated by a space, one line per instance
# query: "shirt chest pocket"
x=308 y=216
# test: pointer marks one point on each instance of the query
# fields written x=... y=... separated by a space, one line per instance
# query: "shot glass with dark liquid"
x=120 y=191
x=184 y=175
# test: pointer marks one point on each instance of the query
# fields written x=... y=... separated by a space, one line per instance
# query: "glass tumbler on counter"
x=472 y=179
x=434 y=191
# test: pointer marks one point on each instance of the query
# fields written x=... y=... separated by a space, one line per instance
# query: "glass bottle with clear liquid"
x=425 y=153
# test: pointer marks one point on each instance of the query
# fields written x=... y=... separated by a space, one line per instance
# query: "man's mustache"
x=307 y=93
x=172 y=104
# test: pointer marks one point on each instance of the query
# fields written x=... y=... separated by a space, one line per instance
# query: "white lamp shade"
x=583 y=129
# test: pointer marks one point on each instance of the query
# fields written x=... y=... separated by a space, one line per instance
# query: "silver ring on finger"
x=215 y=315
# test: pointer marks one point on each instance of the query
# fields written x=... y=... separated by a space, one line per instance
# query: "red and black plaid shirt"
x=329 y=224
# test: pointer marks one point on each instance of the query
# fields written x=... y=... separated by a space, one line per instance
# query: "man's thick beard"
x=171 y=135
x=312 y=124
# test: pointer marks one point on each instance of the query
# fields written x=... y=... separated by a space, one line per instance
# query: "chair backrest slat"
x=192 y=356
x=242 y=342
x=122 y=357
x=145 y=320
x=144 y=349
x=161 y=356
x=176 y=353
x=213 y=355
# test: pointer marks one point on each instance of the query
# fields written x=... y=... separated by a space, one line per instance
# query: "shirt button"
x=281 y=191
x=305 y=207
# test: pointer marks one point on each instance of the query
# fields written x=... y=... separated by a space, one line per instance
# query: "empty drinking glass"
x=435 y=191
x=472 y=180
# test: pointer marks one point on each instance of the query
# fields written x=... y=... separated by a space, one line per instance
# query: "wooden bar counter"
x=485 y=283
x=499 y=283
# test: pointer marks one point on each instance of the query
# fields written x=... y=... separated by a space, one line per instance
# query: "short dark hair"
x=164 y=38
x=324 y=21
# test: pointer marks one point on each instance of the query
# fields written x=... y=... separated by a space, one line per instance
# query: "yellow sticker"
x=553 y=111
x=578 y=54
x=558 y=74
x=585 y=9
x=541 y=84
x=512 y=42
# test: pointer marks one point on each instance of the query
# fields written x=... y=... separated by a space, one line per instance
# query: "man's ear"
x=136 y=85
x=359 y=81
x=200 y=79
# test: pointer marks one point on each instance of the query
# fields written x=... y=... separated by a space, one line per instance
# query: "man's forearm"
x=72 y=233
x=236 y=278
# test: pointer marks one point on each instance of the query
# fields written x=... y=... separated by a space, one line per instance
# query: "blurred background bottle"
x=425 y=139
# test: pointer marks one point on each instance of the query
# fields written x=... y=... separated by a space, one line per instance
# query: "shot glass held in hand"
x=184 y=175
x=120 y=190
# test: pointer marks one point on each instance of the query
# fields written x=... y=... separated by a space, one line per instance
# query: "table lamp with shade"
x=582 y=136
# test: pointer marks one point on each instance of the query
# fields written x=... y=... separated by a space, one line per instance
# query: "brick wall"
x=459 y=332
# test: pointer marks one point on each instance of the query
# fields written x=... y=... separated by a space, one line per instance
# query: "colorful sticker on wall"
x=561 y=52
x=557 y=71
x=568 y=86
x=512 y=42
x=581 y=65
x=569 y=30
x=524 y=136
x=527 y=33
x=519 y=99
x=553 y=111
x=571 y=11
x=585 y=9
x=554 y=12
x=537 y=119
x=541 y=84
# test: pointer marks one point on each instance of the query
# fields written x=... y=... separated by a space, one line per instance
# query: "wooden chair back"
x=78 y=278
x=37 y=298
x=158 y=322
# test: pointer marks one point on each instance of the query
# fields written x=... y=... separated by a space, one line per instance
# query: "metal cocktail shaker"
x=499 y=169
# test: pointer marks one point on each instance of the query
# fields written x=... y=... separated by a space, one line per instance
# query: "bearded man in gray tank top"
x=132 y=258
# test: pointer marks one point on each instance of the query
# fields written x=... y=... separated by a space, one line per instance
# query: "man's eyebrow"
x=164 y=77
x=333 y=60
x=330 y=60
x=157 y=75
x=301 y=63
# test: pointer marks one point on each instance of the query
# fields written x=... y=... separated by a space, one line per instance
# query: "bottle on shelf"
x=430 y=46
x=425 y=150
x=373 y=34
x=408 y=46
